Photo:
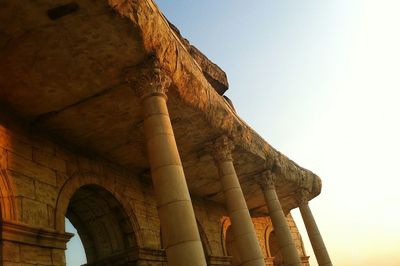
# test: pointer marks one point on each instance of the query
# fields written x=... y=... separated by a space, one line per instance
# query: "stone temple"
x=110 y=118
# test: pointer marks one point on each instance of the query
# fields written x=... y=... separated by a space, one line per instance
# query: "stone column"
x=279 y=222
x=179 y=229
x=245 y=238
x=314 y=235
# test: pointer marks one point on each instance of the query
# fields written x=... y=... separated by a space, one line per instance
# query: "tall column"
x=279 y=221
x=245 y=238
x=179 y=229
x=314 y=235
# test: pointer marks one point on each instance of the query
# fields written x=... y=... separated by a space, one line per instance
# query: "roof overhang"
x=66 y=76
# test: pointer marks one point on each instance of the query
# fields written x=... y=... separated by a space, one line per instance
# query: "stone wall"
x=113 y=209
x=43 y=182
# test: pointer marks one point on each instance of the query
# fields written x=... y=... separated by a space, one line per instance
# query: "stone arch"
x=274 y=249
x=226 y=222
x=227 y=241
x=204 y=240
x=7 y=204
x=267 y=234
x=7 y=201
x=231 y=248
x=104 y=220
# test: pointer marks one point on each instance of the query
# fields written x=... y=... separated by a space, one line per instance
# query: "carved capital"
x=148 y=79
x=222 y=150
x=266 y=180
x=303 y=196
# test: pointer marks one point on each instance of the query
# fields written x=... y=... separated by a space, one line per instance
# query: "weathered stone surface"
x=104 y=117
x=265 y=234
x=48 y=44
x=36 y=255
x=58 y=257
x=49 y=160
x=213 y=73
x=72 y=135
x=31 y=169
x=11 y=251
x=34 y=212
x=141 y=224
x=24 y=185
x=196 y=92
x=46 y=193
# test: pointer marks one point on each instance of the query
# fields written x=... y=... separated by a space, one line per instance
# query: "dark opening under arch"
x=103 y=226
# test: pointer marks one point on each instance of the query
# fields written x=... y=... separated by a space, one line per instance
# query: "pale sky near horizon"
x=320 y=81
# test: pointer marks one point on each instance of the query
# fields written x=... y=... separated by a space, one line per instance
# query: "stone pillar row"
x=179 y=228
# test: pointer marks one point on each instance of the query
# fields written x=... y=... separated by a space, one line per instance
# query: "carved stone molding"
x=222 y=149
x=25 y=234
x=266 y=180
x=302 y=196
x=148 y=79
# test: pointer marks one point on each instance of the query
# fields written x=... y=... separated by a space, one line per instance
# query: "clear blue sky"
x=319 y=80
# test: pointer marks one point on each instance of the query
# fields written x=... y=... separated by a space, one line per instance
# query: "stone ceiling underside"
x=67 y=76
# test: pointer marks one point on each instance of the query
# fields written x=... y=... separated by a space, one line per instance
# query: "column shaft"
x=314 y=235
x=281 y=227
x=244 y=234
x=179 y=228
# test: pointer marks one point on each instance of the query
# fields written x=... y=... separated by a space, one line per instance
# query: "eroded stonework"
x=110 y=118
x=114 y=211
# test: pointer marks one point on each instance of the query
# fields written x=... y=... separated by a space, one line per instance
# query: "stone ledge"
x=24 y=234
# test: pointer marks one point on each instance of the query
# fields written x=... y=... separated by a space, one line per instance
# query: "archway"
x=204 y=241
x=274 y=250
x=7 y=202
x=102 y=225
x=75 y=252
x=8 y=208
x=231 y=248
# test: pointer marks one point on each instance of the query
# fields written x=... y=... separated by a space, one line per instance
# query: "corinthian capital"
x=148 y=79
x=222 y=150
x=266 y=180
x=303 y=196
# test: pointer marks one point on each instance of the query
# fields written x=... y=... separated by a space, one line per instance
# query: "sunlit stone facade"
x=109 y=118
